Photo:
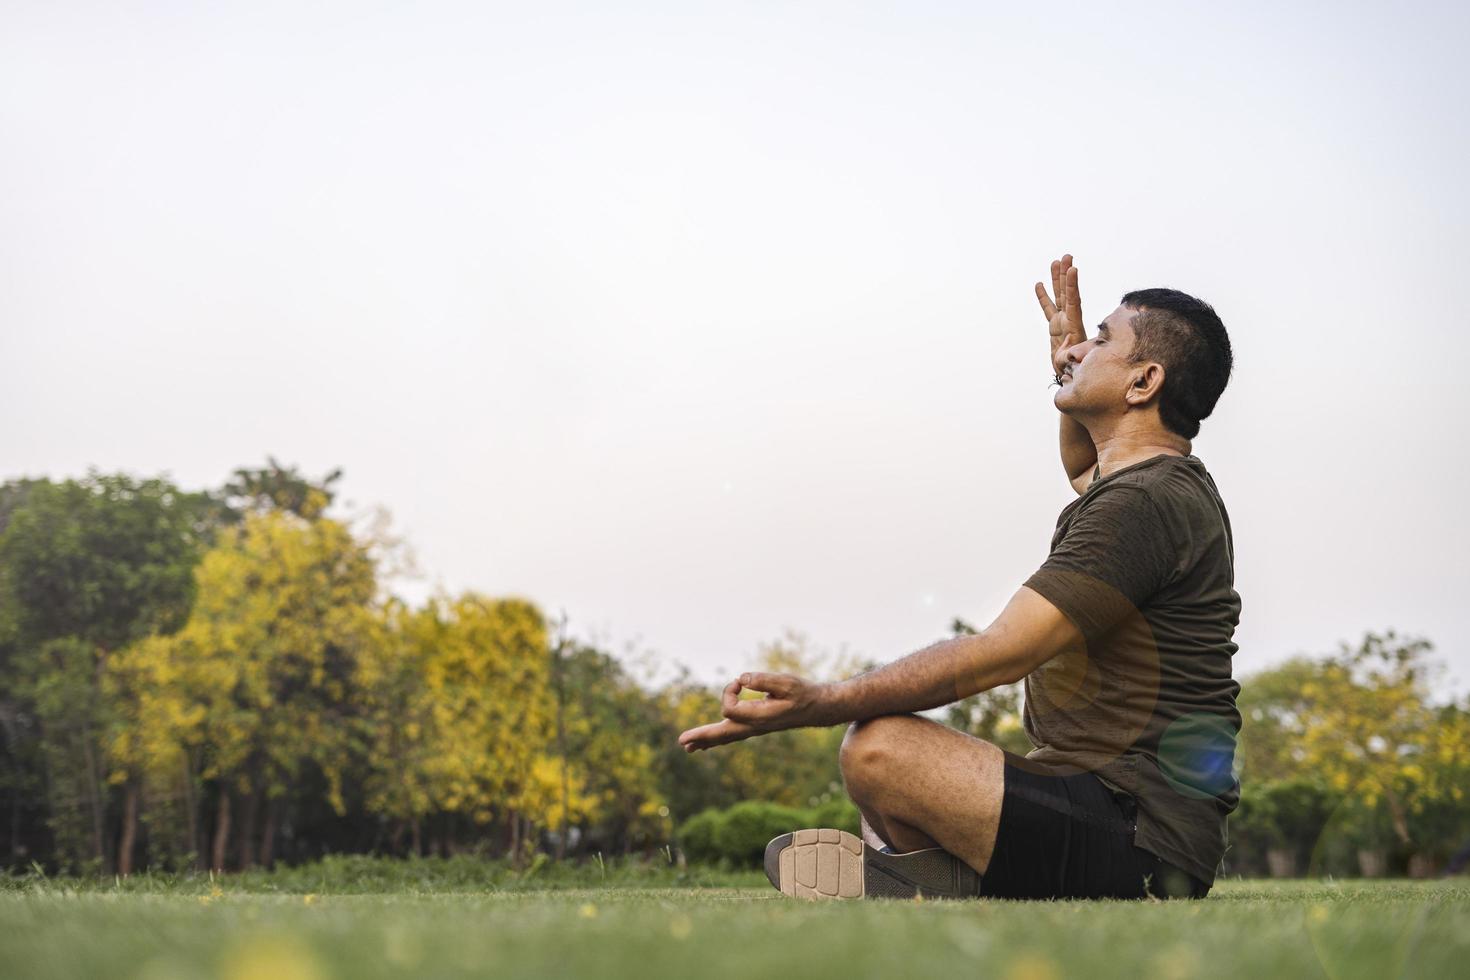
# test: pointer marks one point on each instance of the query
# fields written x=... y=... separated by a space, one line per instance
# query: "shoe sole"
x=834 y=864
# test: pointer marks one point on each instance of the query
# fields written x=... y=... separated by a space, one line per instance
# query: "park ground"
x=352 y=918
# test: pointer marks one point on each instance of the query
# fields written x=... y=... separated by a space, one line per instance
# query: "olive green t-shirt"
x=1143 y=564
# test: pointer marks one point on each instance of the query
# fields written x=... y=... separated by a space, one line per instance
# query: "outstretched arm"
x=1027 y=633
x=1065 y=324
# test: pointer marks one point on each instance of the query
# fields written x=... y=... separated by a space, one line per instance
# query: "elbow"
x=1012 y=674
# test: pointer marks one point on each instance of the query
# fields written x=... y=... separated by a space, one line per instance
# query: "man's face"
x=1098 y=372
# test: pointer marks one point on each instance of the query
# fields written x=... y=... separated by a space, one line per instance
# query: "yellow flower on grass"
x=272 y=959
x=1032 y=966
x=680 y=926
x=308 y=899
x=588 y=911
x=1178 y=962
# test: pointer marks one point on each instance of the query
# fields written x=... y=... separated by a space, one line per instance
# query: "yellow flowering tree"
x=282 y=615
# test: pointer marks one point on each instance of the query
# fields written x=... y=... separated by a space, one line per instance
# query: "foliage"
x=1361 y=721
x=105 y=559
x=277 y=488
x=737 y=836
x=219 y=678
x=87 y=568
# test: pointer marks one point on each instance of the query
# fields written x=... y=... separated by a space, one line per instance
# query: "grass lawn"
x=353 y=919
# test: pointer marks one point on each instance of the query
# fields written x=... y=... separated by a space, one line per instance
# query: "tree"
x=87 y=567
x=1359 y=720
x=1365 y=721
x=612 y=740
x=274 y=487
x=469 y=679
x=270 y=654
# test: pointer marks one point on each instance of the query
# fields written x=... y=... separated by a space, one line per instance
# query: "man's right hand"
x=1064 y=317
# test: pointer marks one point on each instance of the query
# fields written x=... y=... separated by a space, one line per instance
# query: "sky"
x=705 y=322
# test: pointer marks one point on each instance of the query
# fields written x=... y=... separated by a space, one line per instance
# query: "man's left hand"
x=790 y=702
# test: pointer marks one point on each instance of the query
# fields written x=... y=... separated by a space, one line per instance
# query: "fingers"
x=1048 y=308
x=1056 y=280
x=756 y=710
x=719 y=733
x=1074 y=295
x=730 y=697
x=780 y=685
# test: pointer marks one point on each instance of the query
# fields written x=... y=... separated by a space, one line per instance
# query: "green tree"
x=1361 y=721
x=274 y=487
x=612 y=740
x=88 y=567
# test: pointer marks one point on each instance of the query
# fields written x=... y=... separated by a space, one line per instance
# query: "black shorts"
x=1065 y=834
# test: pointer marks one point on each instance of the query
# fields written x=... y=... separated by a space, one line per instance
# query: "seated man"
x=1123 y=638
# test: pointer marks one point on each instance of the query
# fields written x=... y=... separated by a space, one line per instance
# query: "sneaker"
x=835 y=864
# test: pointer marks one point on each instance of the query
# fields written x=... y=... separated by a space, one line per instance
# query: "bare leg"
x=920 y=784
x=880 y=831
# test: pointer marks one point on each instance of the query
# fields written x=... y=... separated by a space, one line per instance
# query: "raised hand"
x=1064 y=317
x=790 y=702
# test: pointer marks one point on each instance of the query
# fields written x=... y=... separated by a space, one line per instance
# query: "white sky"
x=702 y=321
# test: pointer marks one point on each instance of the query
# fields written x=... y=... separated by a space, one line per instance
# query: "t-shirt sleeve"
x=1113 y=556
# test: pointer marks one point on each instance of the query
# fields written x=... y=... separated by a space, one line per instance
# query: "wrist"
x=829 y=705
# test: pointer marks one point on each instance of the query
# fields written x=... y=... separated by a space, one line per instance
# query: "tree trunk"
x=221 y=832
x=14 y=827
x=268 y=835
x=417 y=838
x=1372 y=863
x=129 y=829
x=248 y=821
x=1399 y=817
x=561 y=748
x=1281 y=861
x=1421 y=866
x=12 y=738
x=191 y=807
x=94 y=797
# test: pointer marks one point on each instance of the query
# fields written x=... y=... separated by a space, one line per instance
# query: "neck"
x=1123 y=445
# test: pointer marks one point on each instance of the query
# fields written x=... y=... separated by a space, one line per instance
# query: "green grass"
x=360 y=918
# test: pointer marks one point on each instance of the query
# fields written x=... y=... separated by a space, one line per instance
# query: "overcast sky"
x=705 y=321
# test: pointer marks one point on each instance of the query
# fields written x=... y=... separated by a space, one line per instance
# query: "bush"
x=738 y=836
x=697 y=836
x=746 y=828
x=839 y=813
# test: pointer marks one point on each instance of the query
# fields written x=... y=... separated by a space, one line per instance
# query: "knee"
x=871 y=752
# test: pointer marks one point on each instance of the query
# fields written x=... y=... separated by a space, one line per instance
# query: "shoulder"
x=1172 y=479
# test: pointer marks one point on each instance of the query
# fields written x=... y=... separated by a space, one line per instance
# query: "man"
x=1123 y=638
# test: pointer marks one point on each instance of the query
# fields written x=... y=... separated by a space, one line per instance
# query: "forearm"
x=1079 y=454
x=937 y=675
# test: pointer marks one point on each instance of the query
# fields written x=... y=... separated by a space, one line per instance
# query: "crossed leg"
x=921 y=784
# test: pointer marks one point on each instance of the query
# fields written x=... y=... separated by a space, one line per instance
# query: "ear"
x=1146 y=385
